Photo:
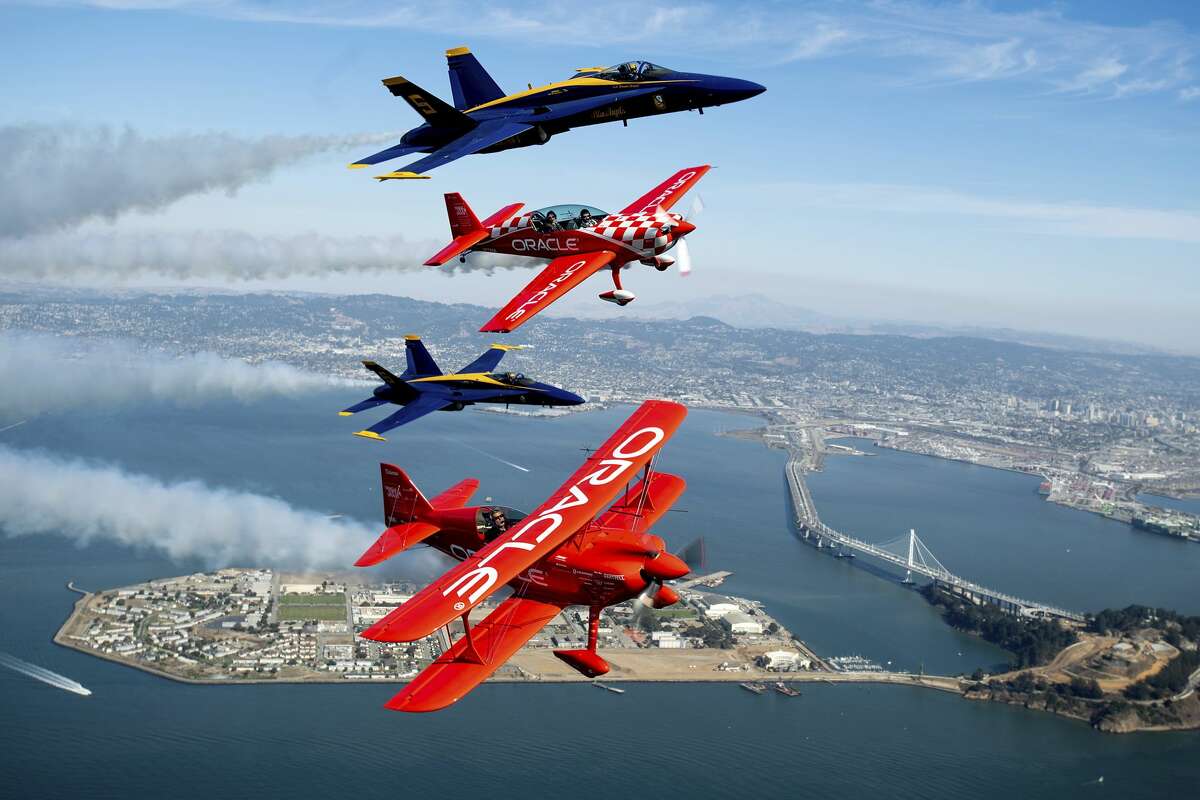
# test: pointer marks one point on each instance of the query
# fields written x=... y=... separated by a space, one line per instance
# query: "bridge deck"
x=806 y=516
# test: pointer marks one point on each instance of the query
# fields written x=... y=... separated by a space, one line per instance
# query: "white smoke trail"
x=42 y=674
x=45 y=494
x=232 y=255
x=41 y=373
x=56 y=176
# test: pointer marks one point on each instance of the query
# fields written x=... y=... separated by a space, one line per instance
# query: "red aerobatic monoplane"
x=580 y=240
x=565 y=553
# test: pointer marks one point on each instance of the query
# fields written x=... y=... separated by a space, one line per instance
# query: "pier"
x=907 y=552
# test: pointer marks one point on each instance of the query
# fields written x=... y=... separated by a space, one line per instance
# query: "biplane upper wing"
x=470 y=662
x=667 y=193
x=559 y=277
x=575 y=503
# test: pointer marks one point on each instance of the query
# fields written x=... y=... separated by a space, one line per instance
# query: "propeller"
x=683 y=256
x=665 y=566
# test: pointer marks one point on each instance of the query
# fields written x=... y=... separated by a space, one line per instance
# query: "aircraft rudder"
x=402 y=500
x=469 y=81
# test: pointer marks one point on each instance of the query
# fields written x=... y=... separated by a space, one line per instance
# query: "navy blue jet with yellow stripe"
x=423 y=389
x=484 y=119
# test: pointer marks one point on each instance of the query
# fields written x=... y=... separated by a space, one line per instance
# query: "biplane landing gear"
x=588 y=661
x=620 y=296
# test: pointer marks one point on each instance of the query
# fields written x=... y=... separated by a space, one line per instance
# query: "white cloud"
x=1070 y=219
x=1189 y=93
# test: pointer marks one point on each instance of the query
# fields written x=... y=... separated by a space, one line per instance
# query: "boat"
x=613 y=689
x=757 y=688
x=785 y=690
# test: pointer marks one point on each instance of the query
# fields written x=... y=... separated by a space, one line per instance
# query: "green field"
x=338 y=599
x=312 y=606
x=312 y=612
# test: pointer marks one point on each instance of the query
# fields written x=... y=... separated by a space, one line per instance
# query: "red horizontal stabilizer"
x=395 y=539
x=460 y=245
x=501 y=215
x=641 y=506
x=559 y=277
x=457 y=495
x=458 y=670
x=572 y=506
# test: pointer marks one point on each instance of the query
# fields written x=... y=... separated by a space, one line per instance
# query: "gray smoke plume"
x=56 y=176
x=41 y=373
x=227 y=255
x=44 y=494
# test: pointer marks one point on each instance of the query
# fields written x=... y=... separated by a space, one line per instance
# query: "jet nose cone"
x=743 y=90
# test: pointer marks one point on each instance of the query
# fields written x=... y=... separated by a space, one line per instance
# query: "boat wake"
x=42 y=674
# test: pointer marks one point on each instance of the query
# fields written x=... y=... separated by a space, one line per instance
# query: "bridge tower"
x=912 y=549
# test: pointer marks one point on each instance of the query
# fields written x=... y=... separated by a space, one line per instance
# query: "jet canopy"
x=566 y=217
x=632 y=71
x=511 y=378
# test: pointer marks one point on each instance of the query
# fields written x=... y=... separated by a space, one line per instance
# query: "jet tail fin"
x=469 y=81
x=434 y=110
x=420 y=363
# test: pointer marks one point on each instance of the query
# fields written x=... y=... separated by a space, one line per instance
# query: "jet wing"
x=667 y=193
x=370 y=402
x=560 y=276
x=484 y=135
x=422 y=405
x=593 y=486
x=395 y=151
x=468 y=663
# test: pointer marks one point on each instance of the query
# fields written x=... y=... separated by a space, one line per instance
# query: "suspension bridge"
x=907 y=552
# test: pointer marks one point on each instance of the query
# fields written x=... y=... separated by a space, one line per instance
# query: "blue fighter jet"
x=484 y=119
x=422 y=388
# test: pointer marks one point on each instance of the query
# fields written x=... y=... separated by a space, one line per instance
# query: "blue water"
x=992 y=526
x=141 y=735
x=1190 y=505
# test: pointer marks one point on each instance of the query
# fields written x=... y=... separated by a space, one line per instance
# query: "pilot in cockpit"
x=551 y=222
x=586 y=220
x=497 y=523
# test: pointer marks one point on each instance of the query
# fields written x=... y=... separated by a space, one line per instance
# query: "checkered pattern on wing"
x=509 y=225
x=638 y=231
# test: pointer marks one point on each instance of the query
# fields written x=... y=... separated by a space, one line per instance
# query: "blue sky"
x=1016 y=164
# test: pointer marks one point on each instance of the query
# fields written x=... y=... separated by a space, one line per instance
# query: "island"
x=246 y=625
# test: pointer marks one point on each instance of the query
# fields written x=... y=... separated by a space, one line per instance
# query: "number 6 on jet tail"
x=581 y=240
x=565 y=553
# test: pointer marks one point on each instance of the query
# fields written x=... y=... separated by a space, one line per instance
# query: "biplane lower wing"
x=572 y=506
x=471 y=661
x=642 y=505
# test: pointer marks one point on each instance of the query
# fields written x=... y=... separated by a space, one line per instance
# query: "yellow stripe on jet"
x=569 y=82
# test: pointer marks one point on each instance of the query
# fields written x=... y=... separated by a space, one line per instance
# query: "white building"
x=718 y=610
x=784 y=661
x=742 y=623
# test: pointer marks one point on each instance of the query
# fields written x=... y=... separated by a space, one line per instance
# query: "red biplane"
x=565 y=553
x=580 y=241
